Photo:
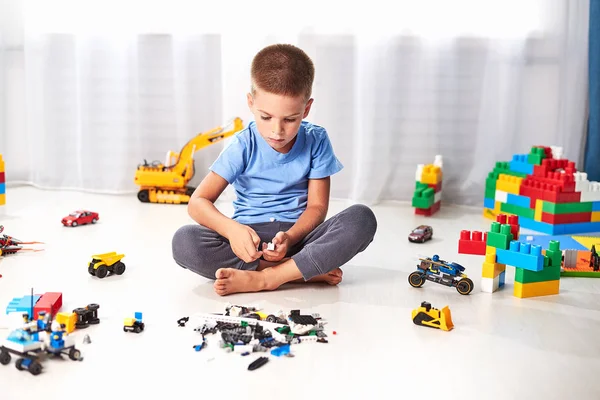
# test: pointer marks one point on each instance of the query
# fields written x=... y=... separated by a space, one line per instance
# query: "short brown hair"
x=283 y=69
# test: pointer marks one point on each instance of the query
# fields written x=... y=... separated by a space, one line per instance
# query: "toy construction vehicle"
x=167 y=183
x=439 y=271
x=102 y=264
x=134 y=324
x=432 y=317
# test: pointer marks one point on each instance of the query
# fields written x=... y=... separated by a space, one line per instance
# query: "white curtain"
x=107 y=84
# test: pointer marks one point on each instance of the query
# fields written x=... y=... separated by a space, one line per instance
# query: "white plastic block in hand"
x=270 y=246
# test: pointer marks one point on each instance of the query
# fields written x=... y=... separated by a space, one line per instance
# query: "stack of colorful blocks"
x=2 y=187
x=545 y=191
x=536 y=274
x=427 y=198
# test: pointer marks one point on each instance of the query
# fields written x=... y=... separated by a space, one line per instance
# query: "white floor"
x=502 y=347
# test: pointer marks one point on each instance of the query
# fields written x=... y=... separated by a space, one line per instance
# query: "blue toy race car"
x=439 y=271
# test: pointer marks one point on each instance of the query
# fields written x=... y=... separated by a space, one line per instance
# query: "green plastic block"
x=536 y=156
x=566 y=208
x=518 y=210
x=490 y=193
x=581 y=274
x=547 y=274
x=500 y=236
x=423 y=197
x=422 y=202
x=491 y=180
x=503 y=167
x=554 y=254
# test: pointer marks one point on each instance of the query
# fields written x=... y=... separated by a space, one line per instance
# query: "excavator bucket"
x=446 y=319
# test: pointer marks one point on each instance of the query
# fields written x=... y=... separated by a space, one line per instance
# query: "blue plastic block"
x=521 y=201
x=489 y=203
x=281 y=350
x=22 y=304
x=501 y=279
x=581 y=227
x=538 y=226
x=521 y=255
x=2 y=188
x=519 y=164
x=138 y=316
x=596 y=206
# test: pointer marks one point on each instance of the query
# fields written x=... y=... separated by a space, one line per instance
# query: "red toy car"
x=80 y=217
x=421 y=234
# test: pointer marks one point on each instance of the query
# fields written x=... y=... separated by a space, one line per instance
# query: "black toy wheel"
x=124 y=329
x=93 y=307
x=416 y=279
x=119 y=268
x=4 y=357
x=91 y=270
x=137 y=329
x=94 y=221
x=464 y=286
x=272 y=318
x=420 y=317
x=35 y=368
x=101 y=271
x=143 y=196
x=74 y=354
x=19 y=364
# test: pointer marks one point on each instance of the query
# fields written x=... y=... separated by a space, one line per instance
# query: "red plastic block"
x=50 y=302
x=513 y=221
x=2 y=177
x=556 y=219
x=551 y=165
x=472 y=243
x=436 y=188
x=538 y=190
x=428 y=212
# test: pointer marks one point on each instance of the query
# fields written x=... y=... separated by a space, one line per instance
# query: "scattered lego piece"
x=259 y=362
x=334 y=332
x=421 y=234
x=426 y=315
x=86 y=339
x=10 y=245
x=87 y=316
x=182 y=321
x=134 y=324
x=270 y=246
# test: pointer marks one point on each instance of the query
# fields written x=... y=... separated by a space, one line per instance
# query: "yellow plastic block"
x=1 y=164
x=538 y=210
x=68 y=319
x=492 y=270
x=596 y=216
x=2 y=199
x=431 y=175
x=547 y=288
x=508 y=183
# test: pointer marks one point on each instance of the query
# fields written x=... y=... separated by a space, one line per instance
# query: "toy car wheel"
x=272 y=318
x=416 y=279
x=137 y=329
x=4 y=357
x=74 y=224
x=101 y=271
x=119 y=268
x=35 y=368
x=74 y=354
x=124 y=329
x=144 y=196
x=19 y=364
x=94 y=221
x=464 y=286
x=91 y=270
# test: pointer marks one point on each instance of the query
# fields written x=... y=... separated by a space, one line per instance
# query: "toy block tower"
x=427 y=196
x=2 y=187
x=546 y=191
x=536 y=274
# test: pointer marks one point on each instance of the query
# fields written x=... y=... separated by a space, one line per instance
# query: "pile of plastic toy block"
x=545 y=191
x=427 y=197
x=2 y=187
x=536 y=274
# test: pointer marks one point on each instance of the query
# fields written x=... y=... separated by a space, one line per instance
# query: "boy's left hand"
x=280 y=241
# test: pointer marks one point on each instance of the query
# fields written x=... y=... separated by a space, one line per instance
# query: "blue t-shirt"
x=271 y=185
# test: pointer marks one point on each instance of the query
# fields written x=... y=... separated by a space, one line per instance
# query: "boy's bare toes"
x=223 y=273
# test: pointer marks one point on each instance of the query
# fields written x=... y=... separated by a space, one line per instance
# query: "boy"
x=280 y=167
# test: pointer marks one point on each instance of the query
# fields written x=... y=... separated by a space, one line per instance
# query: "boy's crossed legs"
x=316 y=258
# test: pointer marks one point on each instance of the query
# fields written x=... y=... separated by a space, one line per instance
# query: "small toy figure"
x=80 y=217
x=439 y=271
x=182 y=321
x=134 y=324
x=594 y=259
x=432 y=317
x=421 y=234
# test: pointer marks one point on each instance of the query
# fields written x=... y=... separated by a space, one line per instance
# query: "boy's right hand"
x=244 y=243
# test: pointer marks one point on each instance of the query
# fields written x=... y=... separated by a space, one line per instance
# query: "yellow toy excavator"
x=426 y=315
x=160 y=183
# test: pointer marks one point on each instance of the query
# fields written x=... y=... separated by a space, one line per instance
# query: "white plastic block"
x=243 y=348
x=590 y=195
x=489 y=285
x=419 y=173
x=557 y=152
x=438 y=162
x=581 y=181
x=270 y=246
x=437 y=197
x=501 y=196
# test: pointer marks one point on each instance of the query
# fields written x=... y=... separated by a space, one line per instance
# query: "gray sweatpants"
x=329 y=246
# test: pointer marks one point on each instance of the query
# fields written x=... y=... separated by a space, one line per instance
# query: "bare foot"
x=332 y=278
x=230 y=280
